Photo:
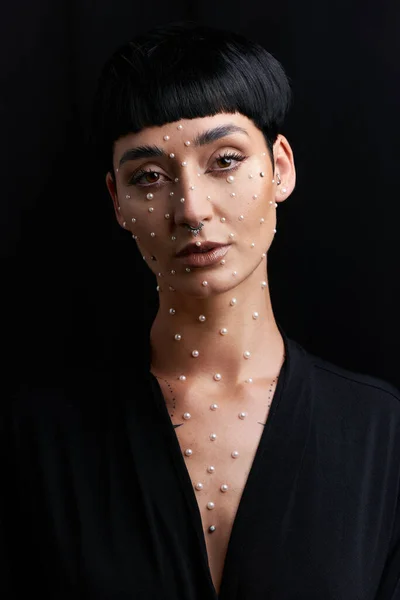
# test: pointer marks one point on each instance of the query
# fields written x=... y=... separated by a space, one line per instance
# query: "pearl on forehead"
x=166 y=216
x=233 y=302
x=262 y=220
x=166 y=138
x=133 y=220
x=180 y=127
x=182 y=378
x=178 y=337
x=213 y=437
x=204 y=283
x=230 y=179
x=202 y=318
x=187 y=143
x=235 y=454
x=188 y=452
x=172 y=311
x=208 y=197
x=150 y=196
x=151 y=209
x=246 y=354
x=153 y=234
x=252 y=245
x=184 y=163
x=255 y=197
x=217 y=376
x=223 y=331
x=255 y=315
x=195 y=353
x=172 y=155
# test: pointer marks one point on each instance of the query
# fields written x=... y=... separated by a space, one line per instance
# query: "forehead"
x=187 y=129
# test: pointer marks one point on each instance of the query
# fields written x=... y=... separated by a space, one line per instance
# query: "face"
x=200 y=200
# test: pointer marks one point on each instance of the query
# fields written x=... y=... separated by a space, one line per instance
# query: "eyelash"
x=235 y=155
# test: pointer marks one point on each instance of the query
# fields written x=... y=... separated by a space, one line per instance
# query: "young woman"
x=236 y=464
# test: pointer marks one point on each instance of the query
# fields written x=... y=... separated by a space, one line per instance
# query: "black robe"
x=97 y=503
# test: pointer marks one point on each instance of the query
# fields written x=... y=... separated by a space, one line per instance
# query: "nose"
x=191 y=203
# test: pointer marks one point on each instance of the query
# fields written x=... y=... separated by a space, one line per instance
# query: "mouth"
x=205 y=255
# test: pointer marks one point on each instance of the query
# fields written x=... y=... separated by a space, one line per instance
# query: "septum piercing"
x=195 y=230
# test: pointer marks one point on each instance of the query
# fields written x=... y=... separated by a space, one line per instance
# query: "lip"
x=202 y=259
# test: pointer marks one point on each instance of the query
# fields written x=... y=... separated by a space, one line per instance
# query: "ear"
x=110 y=183
x=284 y=166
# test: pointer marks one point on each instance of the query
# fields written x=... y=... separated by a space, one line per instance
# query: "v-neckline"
x=248 y=491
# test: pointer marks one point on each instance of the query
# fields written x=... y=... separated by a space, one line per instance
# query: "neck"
x=231 y=328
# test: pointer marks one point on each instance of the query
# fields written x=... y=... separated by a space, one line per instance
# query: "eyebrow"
x=206 y=137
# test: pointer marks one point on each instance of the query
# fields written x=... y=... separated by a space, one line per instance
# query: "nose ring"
x=195 y=230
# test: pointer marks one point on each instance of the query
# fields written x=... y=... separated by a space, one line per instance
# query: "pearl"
x=224 y=487
x=255 y=315
x=172 y=311
x=173 y=238
x=199 y=486
x=276 y=205
x=178 y=337
x=284 y=190
x=172 y=272
x=153 y=234
x=127 y=197
x=119 y=208
x=176 y=179
x=263 y=255
x=187 y=269
x=212 y=528
x=124 y=224
x=204 y=283
x=235 y=454
x=186 y=416
x=195 y=353
x=222 y=219
x=222 y=262
x=166 y=216
x=255 y=197
x=270 y=202
x=230 y=179
x=188 y=452
x=187 y=143
x=262 y=221
x=242 y=415
x=144 y=258
x=151 y=209
x=182 y=378
x=208 y=197
x=182 y=200
x=213 y=406
x=171 y=193
x=150 y=196
x=250 y=176
x=171 y=289
x=211 y=469
x=210 y=505
x=180 y=127
x=184 y=163
x=134 y=237
x=246 y=354
x=192 y=187
x=249 y=380
x=234 y=273
x=217 y=376
x=232 y=194
x=172 y=155
x=263 y=284
x=133 y=220
x=202 y=318
x=213 y=436
x=166 y=138
x=231 y=235
x=274 y=230
x=252 y=245
x=263 y=154
x=241 y=218
x=198 y=244
x=223 y=331
x=233 y=302
x=158 y=288
x=262 y=174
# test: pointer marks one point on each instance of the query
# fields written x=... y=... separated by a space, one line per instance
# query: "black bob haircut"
x=185 y=70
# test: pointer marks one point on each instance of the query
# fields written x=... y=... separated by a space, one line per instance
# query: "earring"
x=279 y=179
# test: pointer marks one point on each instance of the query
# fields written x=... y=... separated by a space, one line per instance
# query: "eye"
x=151 y=178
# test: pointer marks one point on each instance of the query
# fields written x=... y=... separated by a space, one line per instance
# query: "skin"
x=218 y=353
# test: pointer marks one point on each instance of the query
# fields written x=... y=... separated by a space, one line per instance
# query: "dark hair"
x=184 y=70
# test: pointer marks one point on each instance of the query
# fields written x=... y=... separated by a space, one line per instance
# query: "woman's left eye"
x=225 y=158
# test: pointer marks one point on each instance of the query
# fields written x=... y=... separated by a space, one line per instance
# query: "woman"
x=236 y=464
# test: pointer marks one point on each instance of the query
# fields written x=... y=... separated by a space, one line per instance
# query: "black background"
x=75 y=290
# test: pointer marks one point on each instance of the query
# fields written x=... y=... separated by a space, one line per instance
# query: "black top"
x=97 y=502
